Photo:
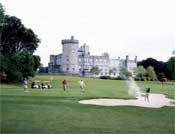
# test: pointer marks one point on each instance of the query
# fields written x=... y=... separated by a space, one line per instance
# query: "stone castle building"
x=75 y=60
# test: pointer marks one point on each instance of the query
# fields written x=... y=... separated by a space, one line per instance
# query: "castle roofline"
x=70 y=41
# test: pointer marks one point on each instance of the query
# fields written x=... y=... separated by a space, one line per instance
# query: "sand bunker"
x=156 y=101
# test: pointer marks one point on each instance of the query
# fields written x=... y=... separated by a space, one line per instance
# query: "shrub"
x=137 y=78
x=105 y=77
x=120 y=78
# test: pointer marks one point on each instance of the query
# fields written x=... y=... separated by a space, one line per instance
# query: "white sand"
x=156 y=101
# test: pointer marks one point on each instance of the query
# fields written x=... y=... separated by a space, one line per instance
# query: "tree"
x=17 y=45
x=171 y=68
x=95 y=70
x=151 y=74
x=112 y=71
x=16 y=38
x=1 y=13
x=125 y=73
x=158 y=66
x=8 y=65
x=36 y=60
x=160 y=76
x=43 y=69
x=1 y=20
x=141 y=71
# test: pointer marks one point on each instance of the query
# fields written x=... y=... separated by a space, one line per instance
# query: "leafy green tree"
x=9 y=66
x=17 y=38
x=17 y=45
x=141 y=71
x=1 y=13
x=27 y=64
x=113 y=71
x=36 y=60
x=1 y=20
x=151 y=74
x=125 y=73
x=158 y=66
x=171 y=68
x=43 y=69
x=95 y=70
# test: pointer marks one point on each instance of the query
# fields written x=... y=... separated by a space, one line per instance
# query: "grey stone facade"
x=76 y=60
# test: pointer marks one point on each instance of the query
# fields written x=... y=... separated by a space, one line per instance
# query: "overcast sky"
x=145 y=28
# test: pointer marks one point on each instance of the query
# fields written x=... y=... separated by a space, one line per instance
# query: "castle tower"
x=70 y=56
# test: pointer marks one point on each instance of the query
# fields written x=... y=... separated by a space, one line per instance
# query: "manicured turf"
x=54 y=111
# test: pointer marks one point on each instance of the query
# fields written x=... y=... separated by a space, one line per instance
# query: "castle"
x=75 y=60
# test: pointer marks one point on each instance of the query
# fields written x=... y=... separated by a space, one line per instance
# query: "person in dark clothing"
x=42 y=85
x=33 y=84
x=64 y=85
x=147 y=94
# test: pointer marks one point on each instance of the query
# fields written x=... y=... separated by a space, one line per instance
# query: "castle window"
x=67 y=69
x=73 y=68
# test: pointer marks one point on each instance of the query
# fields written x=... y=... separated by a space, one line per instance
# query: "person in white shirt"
x=82 y=85
x=25 y=84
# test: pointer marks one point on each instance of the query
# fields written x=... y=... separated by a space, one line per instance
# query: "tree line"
x=162 y=69
x=17 y=47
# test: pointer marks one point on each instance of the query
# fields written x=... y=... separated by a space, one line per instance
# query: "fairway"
x=53 y=111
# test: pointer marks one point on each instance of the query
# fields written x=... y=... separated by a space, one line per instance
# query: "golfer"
x=147 y=94
x=82 y=85
x=64 y=85
x=25 y=84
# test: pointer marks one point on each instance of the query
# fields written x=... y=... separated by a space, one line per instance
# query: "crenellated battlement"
x=70 y=41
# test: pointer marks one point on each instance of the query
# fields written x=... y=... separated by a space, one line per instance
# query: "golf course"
x=55 y=111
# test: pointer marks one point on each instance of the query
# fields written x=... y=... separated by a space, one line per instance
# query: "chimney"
x=72 y=37
x=127 y=58
x=135 y=59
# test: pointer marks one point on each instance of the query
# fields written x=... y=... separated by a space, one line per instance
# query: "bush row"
x=121 y=78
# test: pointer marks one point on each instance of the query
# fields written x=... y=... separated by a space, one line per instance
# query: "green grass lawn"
x=53 y=111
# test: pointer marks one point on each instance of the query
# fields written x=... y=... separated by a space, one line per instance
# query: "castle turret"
x=70 y=55
x=84 y=50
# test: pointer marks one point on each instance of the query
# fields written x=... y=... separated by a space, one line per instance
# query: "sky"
x=143 y=28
